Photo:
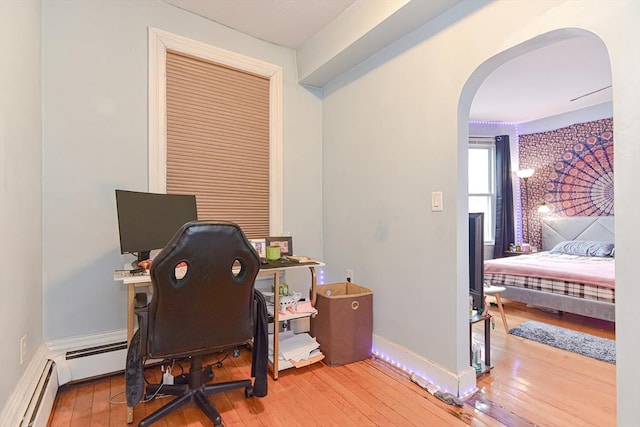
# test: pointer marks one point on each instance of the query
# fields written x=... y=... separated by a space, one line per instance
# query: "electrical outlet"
x=23 y=349
x=350 y=275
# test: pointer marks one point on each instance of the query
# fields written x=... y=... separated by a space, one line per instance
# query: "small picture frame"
x=285 y=243
x=260 y=246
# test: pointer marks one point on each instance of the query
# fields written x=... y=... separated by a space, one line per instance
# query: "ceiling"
x=287 y=23
x=562 y=77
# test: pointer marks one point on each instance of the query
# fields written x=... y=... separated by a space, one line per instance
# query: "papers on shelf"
x=295 y=347
x=298 y=347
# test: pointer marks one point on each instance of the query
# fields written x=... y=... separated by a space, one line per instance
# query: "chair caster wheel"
x=248 y=392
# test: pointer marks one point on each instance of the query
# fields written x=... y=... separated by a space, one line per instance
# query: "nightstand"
x=514 y=253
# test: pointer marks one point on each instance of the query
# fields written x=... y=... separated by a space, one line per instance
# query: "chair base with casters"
x=194 y=392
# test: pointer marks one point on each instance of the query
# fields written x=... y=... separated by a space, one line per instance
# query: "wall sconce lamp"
x=544 y=208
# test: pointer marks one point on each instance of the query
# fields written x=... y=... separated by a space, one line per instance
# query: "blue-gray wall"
x=20 y=189
x=360 y=164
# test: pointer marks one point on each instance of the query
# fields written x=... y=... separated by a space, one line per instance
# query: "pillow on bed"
x=584 y=248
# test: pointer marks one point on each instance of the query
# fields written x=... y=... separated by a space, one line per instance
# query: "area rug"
x=578 y=342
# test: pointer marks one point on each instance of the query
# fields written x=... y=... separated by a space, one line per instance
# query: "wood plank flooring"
x=530 y=384
x=547 y=386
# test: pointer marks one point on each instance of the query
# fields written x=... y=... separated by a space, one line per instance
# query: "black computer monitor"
x=147 y=221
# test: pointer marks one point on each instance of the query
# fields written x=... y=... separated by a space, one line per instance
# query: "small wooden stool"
x=495 y=292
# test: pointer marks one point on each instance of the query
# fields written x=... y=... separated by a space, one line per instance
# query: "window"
x=253 y=197
x=482 y=190
x=218 y=141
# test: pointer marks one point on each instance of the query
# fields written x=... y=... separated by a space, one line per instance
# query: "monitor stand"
x=142 y=256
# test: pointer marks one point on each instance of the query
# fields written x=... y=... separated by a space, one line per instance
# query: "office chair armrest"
x=142 y=312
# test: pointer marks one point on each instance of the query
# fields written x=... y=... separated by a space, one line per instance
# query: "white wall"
x=95 y=140
x=589 y=114
x=395 y=128
x=20 y=189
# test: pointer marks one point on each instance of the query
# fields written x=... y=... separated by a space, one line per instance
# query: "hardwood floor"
x=530 y=384
x=547 y=386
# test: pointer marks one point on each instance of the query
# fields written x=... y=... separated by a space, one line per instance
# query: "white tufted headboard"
x=559 y=229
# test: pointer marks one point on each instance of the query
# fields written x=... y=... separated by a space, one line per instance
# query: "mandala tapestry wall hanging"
x=582 y=182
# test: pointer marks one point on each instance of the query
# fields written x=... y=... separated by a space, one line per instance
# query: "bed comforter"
x=596 y=271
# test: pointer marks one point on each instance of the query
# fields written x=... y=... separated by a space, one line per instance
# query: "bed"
x=573 y=273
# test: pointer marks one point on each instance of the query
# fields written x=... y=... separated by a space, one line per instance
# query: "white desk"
x=136 y=282
x=133 y=283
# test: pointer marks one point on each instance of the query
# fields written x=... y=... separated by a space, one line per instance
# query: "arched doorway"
x=513 y=126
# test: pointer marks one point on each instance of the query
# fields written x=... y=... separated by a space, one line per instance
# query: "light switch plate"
x=436 y=201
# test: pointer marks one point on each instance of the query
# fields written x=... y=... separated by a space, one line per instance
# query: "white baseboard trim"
x=462 y=384
x=84 y=357
x=32 y=399
x=56 y=363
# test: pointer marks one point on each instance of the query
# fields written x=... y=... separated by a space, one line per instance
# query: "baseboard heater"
x=94 y=361
x=92 y=351
x=76 y=365
x=54 y=364
x=42 y=399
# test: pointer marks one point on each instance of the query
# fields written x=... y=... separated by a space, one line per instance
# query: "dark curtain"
x=505 y=227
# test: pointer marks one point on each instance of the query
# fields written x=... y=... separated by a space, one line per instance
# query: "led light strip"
x=383 y=357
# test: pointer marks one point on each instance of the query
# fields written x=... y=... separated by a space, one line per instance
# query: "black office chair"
x=203 y=302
